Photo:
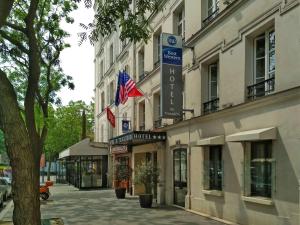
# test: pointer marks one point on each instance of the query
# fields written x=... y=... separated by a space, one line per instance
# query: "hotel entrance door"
x=180 y=176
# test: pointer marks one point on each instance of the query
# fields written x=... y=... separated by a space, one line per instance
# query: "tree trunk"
x=49 y=169
x=25 y=166
x=5 y=8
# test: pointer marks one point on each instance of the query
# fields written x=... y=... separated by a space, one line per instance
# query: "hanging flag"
x=117 y=98
x=126 y=88
x=111 y=117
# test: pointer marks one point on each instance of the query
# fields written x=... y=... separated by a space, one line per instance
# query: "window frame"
x=266 y=57
x=246 y=174
x=215 y=64
x=207 y=166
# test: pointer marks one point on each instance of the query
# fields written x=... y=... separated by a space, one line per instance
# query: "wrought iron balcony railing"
x=211 y=106
x=261 y=88
x=210 y=17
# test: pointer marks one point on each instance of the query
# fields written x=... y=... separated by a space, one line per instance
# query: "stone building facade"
x=235 y=154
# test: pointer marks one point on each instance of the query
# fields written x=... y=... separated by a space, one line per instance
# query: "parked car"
x=8 y=179
x=5 y=188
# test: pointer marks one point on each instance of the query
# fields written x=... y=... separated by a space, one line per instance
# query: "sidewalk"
x=102 y=208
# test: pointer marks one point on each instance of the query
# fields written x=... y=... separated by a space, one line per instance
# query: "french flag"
x=126 y=88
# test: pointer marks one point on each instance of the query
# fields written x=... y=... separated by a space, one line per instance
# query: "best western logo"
x=172 y=40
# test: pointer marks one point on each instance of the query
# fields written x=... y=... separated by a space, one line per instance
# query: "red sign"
x=111 y=117
x=119 y=149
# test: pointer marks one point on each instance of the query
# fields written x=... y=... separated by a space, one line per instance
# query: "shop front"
x=142 y=146
x=122 y=161
x=84 y=165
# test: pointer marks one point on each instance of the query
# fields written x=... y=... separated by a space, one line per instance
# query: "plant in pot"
x=147 y=175
x=122 y=174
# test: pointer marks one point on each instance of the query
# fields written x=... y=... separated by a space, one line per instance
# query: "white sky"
x=77 y=61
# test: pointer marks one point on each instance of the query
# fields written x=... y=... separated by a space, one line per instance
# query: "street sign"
x=171 y=76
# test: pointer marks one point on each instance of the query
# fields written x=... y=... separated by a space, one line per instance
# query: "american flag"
x=126 y=88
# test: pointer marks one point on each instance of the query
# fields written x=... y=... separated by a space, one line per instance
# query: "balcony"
x=261 y=89
x=211 y=106
x=211 y=17
x=157 y=123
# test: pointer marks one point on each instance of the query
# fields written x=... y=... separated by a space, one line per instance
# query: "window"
x=156 y=109
x=102 y=101
x=264 y=65
x=213 y=81
x=142 y=115
x=111 y=92
x=180 y=22
x=141 y=64
x=111 y=54
x=212 y=10
x=212 y=104
x=261 y=169
x=213 y=168
x=156 y=46
x=101 y=69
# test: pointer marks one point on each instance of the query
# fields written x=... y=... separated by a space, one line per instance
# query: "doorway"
x=180 y=176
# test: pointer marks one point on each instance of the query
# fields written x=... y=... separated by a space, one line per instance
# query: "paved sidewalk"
x=102 y=208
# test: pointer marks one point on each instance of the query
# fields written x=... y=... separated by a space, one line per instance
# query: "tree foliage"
x=2 y=145
x=131 y=17
x=31 y=41
x=65 y=126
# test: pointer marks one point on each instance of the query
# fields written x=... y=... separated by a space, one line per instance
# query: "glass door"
x=180 y=176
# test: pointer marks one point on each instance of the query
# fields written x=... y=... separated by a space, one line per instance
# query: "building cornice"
x=277 y=97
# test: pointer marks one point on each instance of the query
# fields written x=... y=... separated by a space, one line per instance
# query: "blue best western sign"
x=171 y=76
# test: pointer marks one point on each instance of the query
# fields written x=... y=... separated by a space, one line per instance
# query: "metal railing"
x=261 y=88
x=157 y=123
x=211 y=106
x=210 y=17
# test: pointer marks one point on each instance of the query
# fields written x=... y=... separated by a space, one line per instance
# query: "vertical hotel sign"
x=171 y=76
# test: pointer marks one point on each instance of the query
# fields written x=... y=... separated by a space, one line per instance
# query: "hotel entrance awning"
x=138 y=138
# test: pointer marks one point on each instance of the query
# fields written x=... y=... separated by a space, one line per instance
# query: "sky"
x=78 y=61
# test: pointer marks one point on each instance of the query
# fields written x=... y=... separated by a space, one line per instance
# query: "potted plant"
x=122 y=174
x=146 y=174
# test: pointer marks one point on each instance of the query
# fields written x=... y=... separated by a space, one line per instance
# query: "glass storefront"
x=84 y=171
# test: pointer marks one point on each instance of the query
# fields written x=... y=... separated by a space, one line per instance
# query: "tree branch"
x=16 y=27
x=14 y=42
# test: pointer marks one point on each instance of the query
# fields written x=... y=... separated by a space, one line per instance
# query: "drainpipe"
x=189 y=166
